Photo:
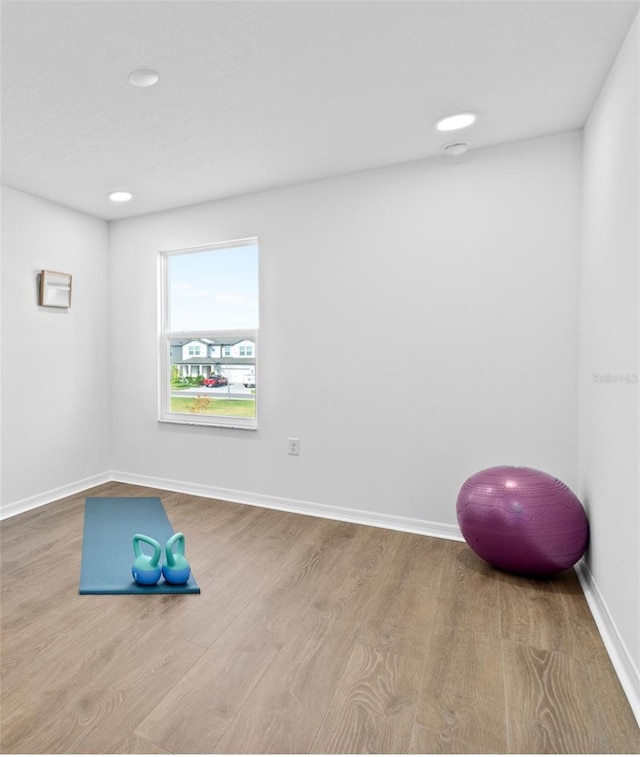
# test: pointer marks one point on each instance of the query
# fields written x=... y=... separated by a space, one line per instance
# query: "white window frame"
x=164 y=346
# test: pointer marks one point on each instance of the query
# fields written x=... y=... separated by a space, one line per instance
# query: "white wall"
x=55 y=367
x=464 y=270
x=609 y=345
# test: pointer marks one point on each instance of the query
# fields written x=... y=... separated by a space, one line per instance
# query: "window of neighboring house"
x=209 y=293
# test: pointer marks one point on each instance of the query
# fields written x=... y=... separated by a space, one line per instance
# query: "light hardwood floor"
x=310 y=635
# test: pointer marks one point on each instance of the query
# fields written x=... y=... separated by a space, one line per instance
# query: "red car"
x=215 y=381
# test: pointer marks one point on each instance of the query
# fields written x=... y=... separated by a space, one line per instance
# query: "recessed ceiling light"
x=144 y=77
x=456 y=148
x=120 y=196
x=458 y=121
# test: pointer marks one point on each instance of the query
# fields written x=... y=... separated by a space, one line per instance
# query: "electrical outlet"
x=294 y=446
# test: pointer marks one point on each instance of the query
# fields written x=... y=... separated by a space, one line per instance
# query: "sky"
x=215 y=289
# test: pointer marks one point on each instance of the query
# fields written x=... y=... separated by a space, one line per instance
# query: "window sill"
x=232 y=423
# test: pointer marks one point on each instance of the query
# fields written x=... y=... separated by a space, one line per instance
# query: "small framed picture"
x=55 y=289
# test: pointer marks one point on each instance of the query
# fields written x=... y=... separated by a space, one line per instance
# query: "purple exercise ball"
x=522 y=520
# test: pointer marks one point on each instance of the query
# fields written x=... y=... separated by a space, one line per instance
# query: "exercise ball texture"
x=522 y=520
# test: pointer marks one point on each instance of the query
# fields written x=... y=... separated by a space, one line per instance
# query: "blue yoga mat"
x=107 y=549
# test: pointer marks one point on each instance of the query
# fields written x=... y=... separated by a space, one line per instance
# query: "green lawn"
x=211 y=406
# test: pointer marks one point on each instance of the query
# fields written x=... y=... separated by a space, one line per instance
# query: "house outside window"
x=209 y=304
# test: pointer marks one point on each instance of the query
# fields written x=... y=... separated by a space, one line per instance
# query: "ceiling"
x=255 y=95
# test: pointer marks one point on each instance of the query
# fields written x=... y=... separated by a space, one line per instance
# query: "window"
x=209 y=305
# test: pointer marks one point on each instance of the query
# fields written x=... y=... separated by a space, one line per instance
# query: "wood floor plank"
x=104 y=692
x=463 y=698
x=612 y=716
x=193 y=716
x=209 y=697
x=406 y=600
x=546 y=712
x=469 y=596
x=373 y=710
x=426 y=740
x=285 y=709
x=133 y=744
x=247 y=567
x=547 y=614
x=309 y=635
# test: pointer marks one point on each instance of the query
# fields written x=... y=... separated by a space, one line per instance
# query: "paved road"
x=230 y=392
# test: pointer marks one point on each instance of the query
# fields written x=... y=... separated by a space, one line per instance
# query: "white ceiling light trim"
x=143 y=77
x=456 y=148
x=120 y=196
x=456 y=121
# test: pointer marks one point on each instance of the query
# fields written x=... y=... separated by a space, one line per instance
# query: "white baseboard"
x=614 y=644
x=38 y=500
x=363 y=517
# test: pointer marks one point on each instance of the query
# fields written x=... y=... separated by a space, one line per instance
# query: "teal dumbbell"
x=146 y=570
x=176 y=569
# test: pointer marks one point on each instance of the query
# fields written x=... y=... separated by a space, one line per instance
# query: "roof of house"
x=241 y=362
x=216 y=340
